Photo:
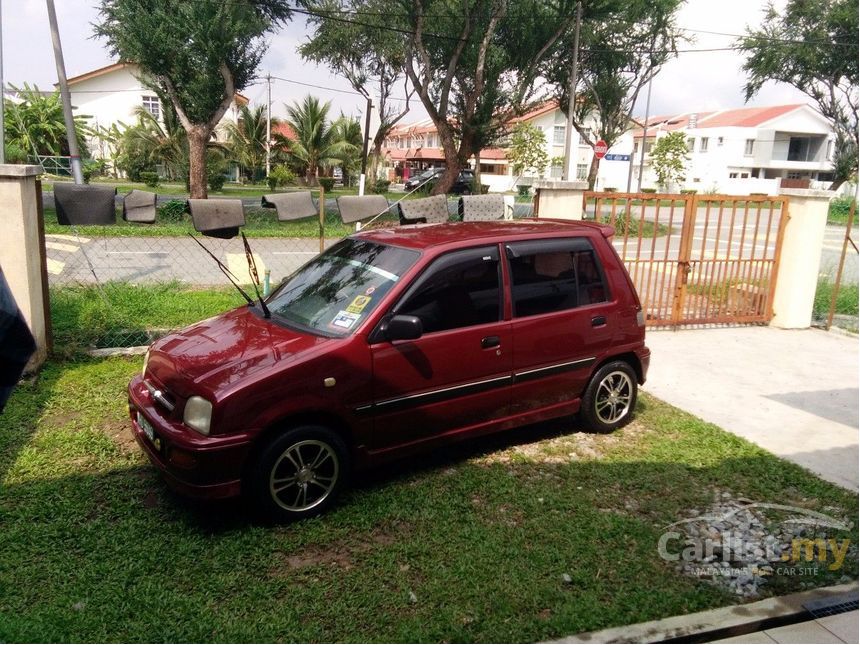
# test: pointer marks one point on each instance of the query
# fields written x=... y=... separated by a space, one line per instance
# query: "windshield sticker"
x=358 y=304
x=369 y=291
x=345 y=319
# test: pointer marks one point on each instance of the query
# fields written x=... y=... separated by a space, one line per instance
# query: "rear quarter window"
x=554 y=275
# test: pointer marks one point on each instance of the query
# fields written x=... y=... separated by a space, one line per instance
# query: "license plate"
x=148 y=430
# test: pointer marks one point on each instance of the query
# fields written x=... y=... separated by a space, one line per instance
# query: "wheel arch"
x=628 y=357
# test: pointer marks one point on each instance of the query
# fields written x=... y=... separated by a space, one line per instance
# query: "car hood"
x=222 y=351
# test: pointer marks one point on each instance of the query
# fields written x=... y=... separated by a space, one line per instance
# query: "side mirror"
x=403 y=328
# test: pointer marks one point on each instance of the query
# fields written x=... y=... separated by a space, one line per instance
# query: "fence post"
x=322 y=219
x=22 y=252
x=559 y=199
x=800 y=257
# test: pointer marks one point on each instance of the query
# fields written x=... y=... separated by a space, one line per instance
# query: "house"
x=745 y=150
x=414 y=147
x=110 y=95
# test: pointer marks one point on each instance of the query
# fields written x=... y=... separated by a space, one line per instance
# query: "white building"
x=746 y=150
x=415 y=147
x=110 y=95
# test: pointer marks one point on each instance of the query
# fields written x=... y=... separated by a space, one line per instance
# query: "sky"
x=694 y=82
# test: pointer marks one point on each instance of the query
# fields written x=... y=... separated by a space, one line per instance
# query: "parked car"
x=391 y=342
x=462 y=186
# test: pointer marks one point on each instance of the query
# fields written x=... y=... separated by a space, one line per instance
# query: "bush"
x=150 y=178
x=649 y=190
x=610 y=189
x=15 y=153
x=93 y=168
x=172 y=211
x=523 y=190
x=689 y=191
x=280 y=176
x=839 y=209
x=327 y=183
x=381 y=186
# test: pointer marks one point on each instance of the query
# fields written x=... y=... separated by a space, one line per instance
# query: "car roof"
x=422 y=236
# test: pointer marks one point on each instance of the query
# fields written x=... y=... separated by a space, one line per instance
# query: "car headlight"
x=145 y=362
x=198 y=414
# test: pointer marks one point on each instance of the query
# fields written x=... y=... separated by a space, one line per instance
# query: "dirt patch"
x=60 y=419
x=120 y=433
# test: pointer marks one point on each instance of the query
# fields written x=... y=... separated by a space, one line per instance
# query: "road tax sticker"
x=358 y=304
x=369 y=291
x=345 y=319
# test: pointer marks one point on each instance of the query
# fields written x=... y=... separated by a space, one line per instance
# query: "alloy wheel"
x=304 y=475
x=613 y=397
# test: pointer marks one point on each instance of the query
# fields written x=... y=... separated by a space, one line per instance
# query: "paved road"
x=792 y=392
x=832 y=249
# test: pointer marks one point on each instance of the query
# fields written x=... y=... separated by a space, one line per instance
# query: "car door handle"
x=597 y=321
x=490 y=341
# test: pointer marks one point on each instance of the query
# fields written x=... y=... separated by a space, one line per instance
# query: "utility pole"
x=571 y=102
x=644 y=136
x=74 y=153
x=2 y=94
x=362 y=178
x=268 y=123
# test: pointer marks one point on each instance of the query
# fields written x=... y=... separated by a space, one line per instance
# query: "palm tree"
x=348 y=129
x=150 y=142
x=316 y=144
x=247 y=139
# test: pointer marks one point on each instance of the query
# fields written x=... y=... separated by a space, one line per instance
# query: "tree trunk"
x=837 y=182
x=478 y=172
x=452 y=163
x=592 y=172
x=198 y=136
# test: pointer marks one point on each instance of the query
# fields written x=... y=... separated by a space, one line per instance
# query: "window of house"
x=748 y=147
x=733 y=175
x=703 y=144
x=494 y=169
x=555 y=172
x=459 y=289
x=745 y=175
x=558 y=135
x=554 y=275
x=152 y=105
x=582 y=171
x=691 y=143
x=829 y=156
x=635 y=147
x=719 y=141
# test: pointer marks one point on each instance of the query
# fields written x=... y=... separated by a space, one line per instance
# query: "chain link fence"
x=126 y=284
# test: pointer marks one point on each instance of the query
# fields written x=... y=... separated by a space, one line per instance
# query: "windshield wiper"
x=255 y=279
x=232 y=278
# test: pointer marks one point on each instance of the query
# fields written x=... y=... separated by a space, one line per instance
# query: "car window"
x=338 y=289
x=554 y=275
x=459 y=289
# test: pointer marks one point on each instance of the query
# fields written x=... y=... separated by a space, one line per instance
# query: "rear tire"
x=299 y=474
x=610 y=398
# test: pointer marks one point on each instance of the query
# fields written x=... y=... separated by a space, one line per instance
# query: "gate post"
x=800 y=257
x=22 y=251
x=559 y=199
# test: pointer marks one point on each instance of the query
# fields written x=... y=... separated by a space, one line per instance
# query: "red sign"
x=600 y=149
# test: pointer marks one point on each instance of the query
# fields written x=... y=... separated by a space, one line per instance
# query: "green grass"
x=846 y=301
x=93 y=547
x=121 y=314
x=839 y=209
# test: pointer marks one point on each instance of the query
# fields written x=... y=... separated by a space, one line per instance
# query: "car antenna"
x=232 y=278
x=255 y=278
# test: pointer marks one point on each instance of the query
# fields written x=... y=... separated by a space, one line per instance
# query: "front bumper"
x=192 y=464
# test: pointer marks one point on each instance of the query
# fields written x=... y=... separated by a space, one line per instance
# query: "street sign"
x=617 y=157
x=600 y=149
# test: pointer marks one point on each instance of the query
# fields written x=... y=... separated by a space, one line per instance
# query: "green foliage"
x=381 y=186
x=247 y=140
x=37 y=123
x=839 y=209
x=172 y=211
x=151 y=179
x=280 y=176
x=327 y=183
x=347 y=130
x=527 y=150
x=669 y=158
x=847 y=300
x=813 y=47
x=649 y=190
x=316 y=144
x=523 y=190
x=15 y=153
x=151 y=142
x=93 y=168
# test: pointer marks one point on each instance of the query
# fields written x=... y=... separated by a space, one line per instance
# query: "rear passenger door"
x=563 y=319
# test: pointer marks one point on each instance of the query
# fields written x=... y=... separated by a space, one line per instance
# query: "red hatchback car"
x=390 y=342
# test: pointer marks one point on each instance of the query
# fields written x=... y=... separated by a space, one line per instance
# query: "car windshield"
x=339 y=288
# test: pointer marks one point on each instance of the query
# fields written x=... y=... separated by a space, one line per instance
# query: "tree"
x=366 y=53
x=474 y=63
x=35 y=125
x=151 y=142
x=316 y=144
x=527 y=151
x=813 y=47
x=622 y=47
x=247 y=140
x=348 y=130
x=669 y=158
x=198 y=54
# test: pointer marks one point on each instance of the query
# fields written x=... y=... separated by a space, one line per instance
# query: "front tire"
x=610 y=398
x=299 y=474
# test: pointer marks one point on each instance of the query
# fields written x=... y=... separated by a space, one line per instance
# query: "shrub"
x=150 y=178
x=523 y=190
x=610 y=189
x=216 y=181
x=172 y=211
x=327 y=183
x=649 y=190
x=15 y=153
x=280 y=176
x=381 y=186
x=838 y=213
x=93 y=168
x=689 y=191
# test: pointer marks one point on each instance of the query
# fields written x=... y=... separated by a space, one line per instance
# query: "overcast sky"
x=693 y=82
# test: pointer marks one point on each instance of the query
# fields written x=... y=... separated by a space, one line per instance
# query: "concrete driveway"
x=792 y=392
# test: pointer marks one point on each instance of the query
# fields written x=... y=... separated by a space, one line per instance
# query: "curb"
x=710 y=625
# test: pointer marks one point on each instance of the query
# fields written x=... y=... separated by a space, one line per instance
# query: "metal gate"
x=697 y=259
